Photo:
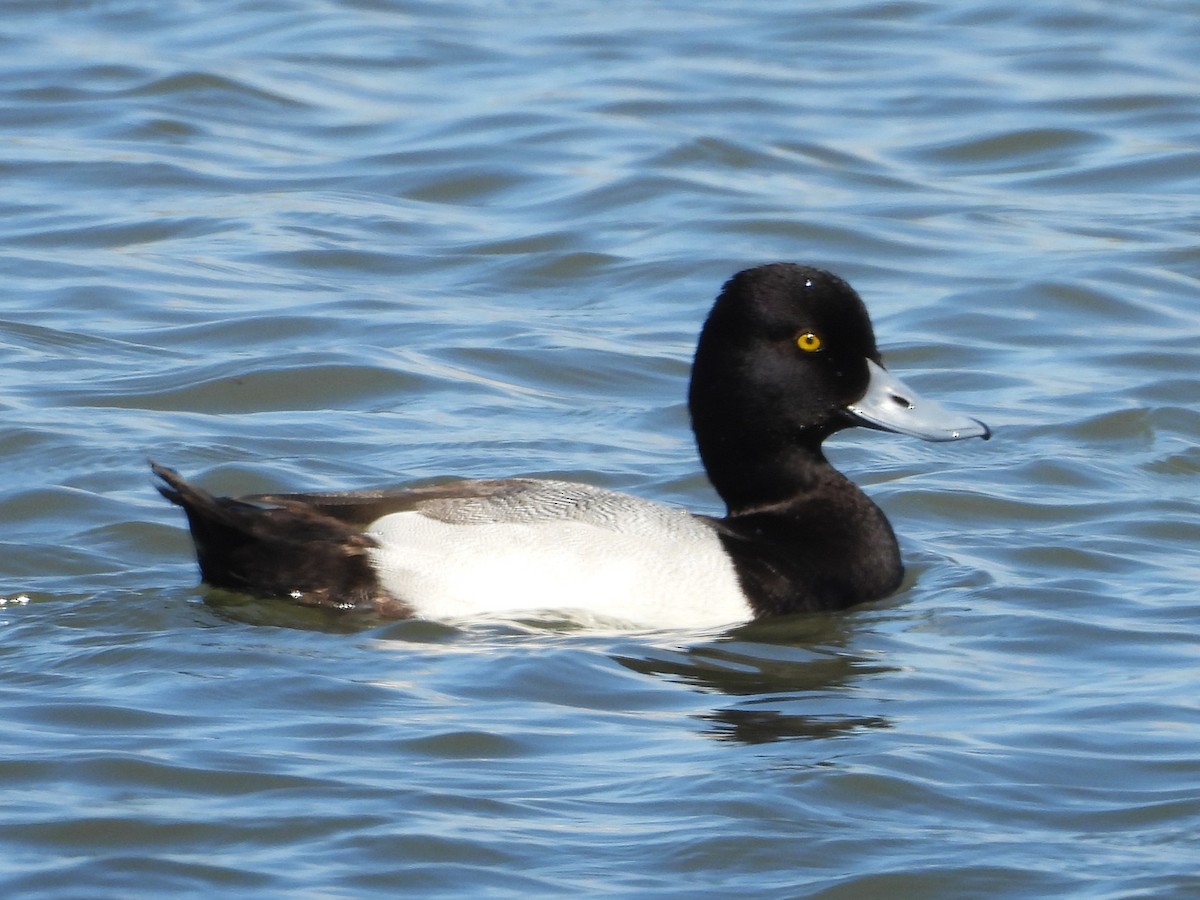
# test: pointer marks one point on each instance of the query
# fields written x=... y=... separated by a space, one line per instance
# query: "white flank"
x=653 y=566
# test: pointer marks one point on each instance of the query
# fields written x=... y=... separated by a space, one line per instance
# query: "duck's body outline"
x=786 y=357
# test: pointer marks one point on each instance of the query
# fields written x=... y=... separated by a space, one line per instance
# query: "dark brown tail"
x=279 y=549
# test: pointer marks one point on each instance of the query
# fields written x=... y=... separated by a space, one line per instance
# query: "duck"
x=786 y=357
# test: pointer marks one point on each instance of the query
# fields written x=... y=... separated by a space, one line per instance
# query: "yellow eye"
x=808 y=342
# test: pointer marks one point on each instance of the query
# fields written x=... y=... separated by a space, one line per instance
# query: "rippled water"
x=348 y=244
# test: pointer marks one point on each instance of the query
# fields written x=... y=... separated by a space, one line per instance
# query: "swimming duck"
x=786 y=358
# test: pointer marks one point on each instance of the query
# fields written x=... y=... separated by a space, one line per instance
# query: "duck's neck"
x=829 y=550
x=752 y=474
x=825 y=545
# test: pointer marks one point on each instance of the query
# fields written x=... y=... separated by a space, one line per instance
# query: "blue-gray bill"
x=891 y=405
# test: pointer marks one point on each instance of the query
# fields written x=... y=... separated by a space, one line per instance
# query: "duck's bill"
x=891 y=405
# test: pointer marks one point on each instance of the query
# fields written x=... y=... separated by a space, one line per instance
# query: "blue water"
x=354 y=244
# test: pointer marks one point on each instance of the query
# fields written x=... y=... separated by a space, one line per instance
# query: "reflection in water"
x=247 y=610
x=776 y=666
x=800 y=660
x=763 y=726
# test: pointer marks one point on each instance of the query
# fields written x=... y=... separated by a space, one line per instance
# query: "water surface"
x=352 y=244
